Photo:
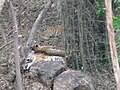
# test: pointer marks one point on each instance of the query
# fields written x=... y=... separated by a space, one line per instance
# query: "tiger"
x=35 y=57
x=37 y=48
x=47 y=49
x=52 y=32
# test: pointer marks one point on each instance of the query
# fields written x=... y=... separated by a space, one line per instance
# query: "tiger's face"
x=38 y=49
x=34 y=48
x=31 y=59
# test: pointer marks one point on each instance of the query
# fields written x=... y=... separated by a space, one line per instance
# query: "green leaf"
x=116 y=1
x=116 y=22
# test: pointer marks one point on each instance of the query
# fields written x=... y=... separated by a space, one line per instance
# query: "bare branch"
x=3 y=34
x=16 y=53
x=113 y=51
x=37 y=22
x=39 y=19
x=5 y=45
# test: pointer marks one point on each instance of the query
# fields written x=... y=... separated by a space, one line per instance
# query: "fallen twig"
x=6 y=44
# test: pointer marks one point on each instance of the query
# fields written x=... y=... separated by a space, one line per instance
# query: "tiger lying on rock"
x=34 y=57
x=48 y=50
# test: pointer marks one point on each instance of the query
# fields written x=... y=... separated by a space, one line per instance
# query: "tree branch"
x=24 y=50
x=35 y=25
x=3 y=34
x=16 y=53
x=5 y=45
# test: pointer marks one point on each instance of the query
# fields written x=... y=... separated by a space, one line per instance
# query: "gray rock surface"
x=72 y=80
x=53 y=75
x=47 y=71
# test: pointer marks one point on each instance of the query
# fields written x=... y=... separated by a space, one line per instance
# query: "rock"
x=72 y=80
x=46 y=71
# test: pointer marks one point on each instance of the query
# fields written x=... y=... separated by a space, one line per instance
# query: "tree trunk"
x=16 y=53
x=113 y=51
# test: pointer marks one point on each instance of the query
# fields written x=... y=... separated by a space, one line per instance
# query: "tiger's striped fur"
x=52 y=32
x=35 y=57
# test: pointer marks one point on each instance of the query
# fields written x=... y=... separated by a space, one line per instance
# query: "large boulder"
x=72 y=80
x=47 y=71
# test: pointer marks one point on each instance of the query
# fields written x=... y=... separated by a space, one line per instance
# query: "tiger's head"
x=38 y=49
x=35 y=57
x=31 y=59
